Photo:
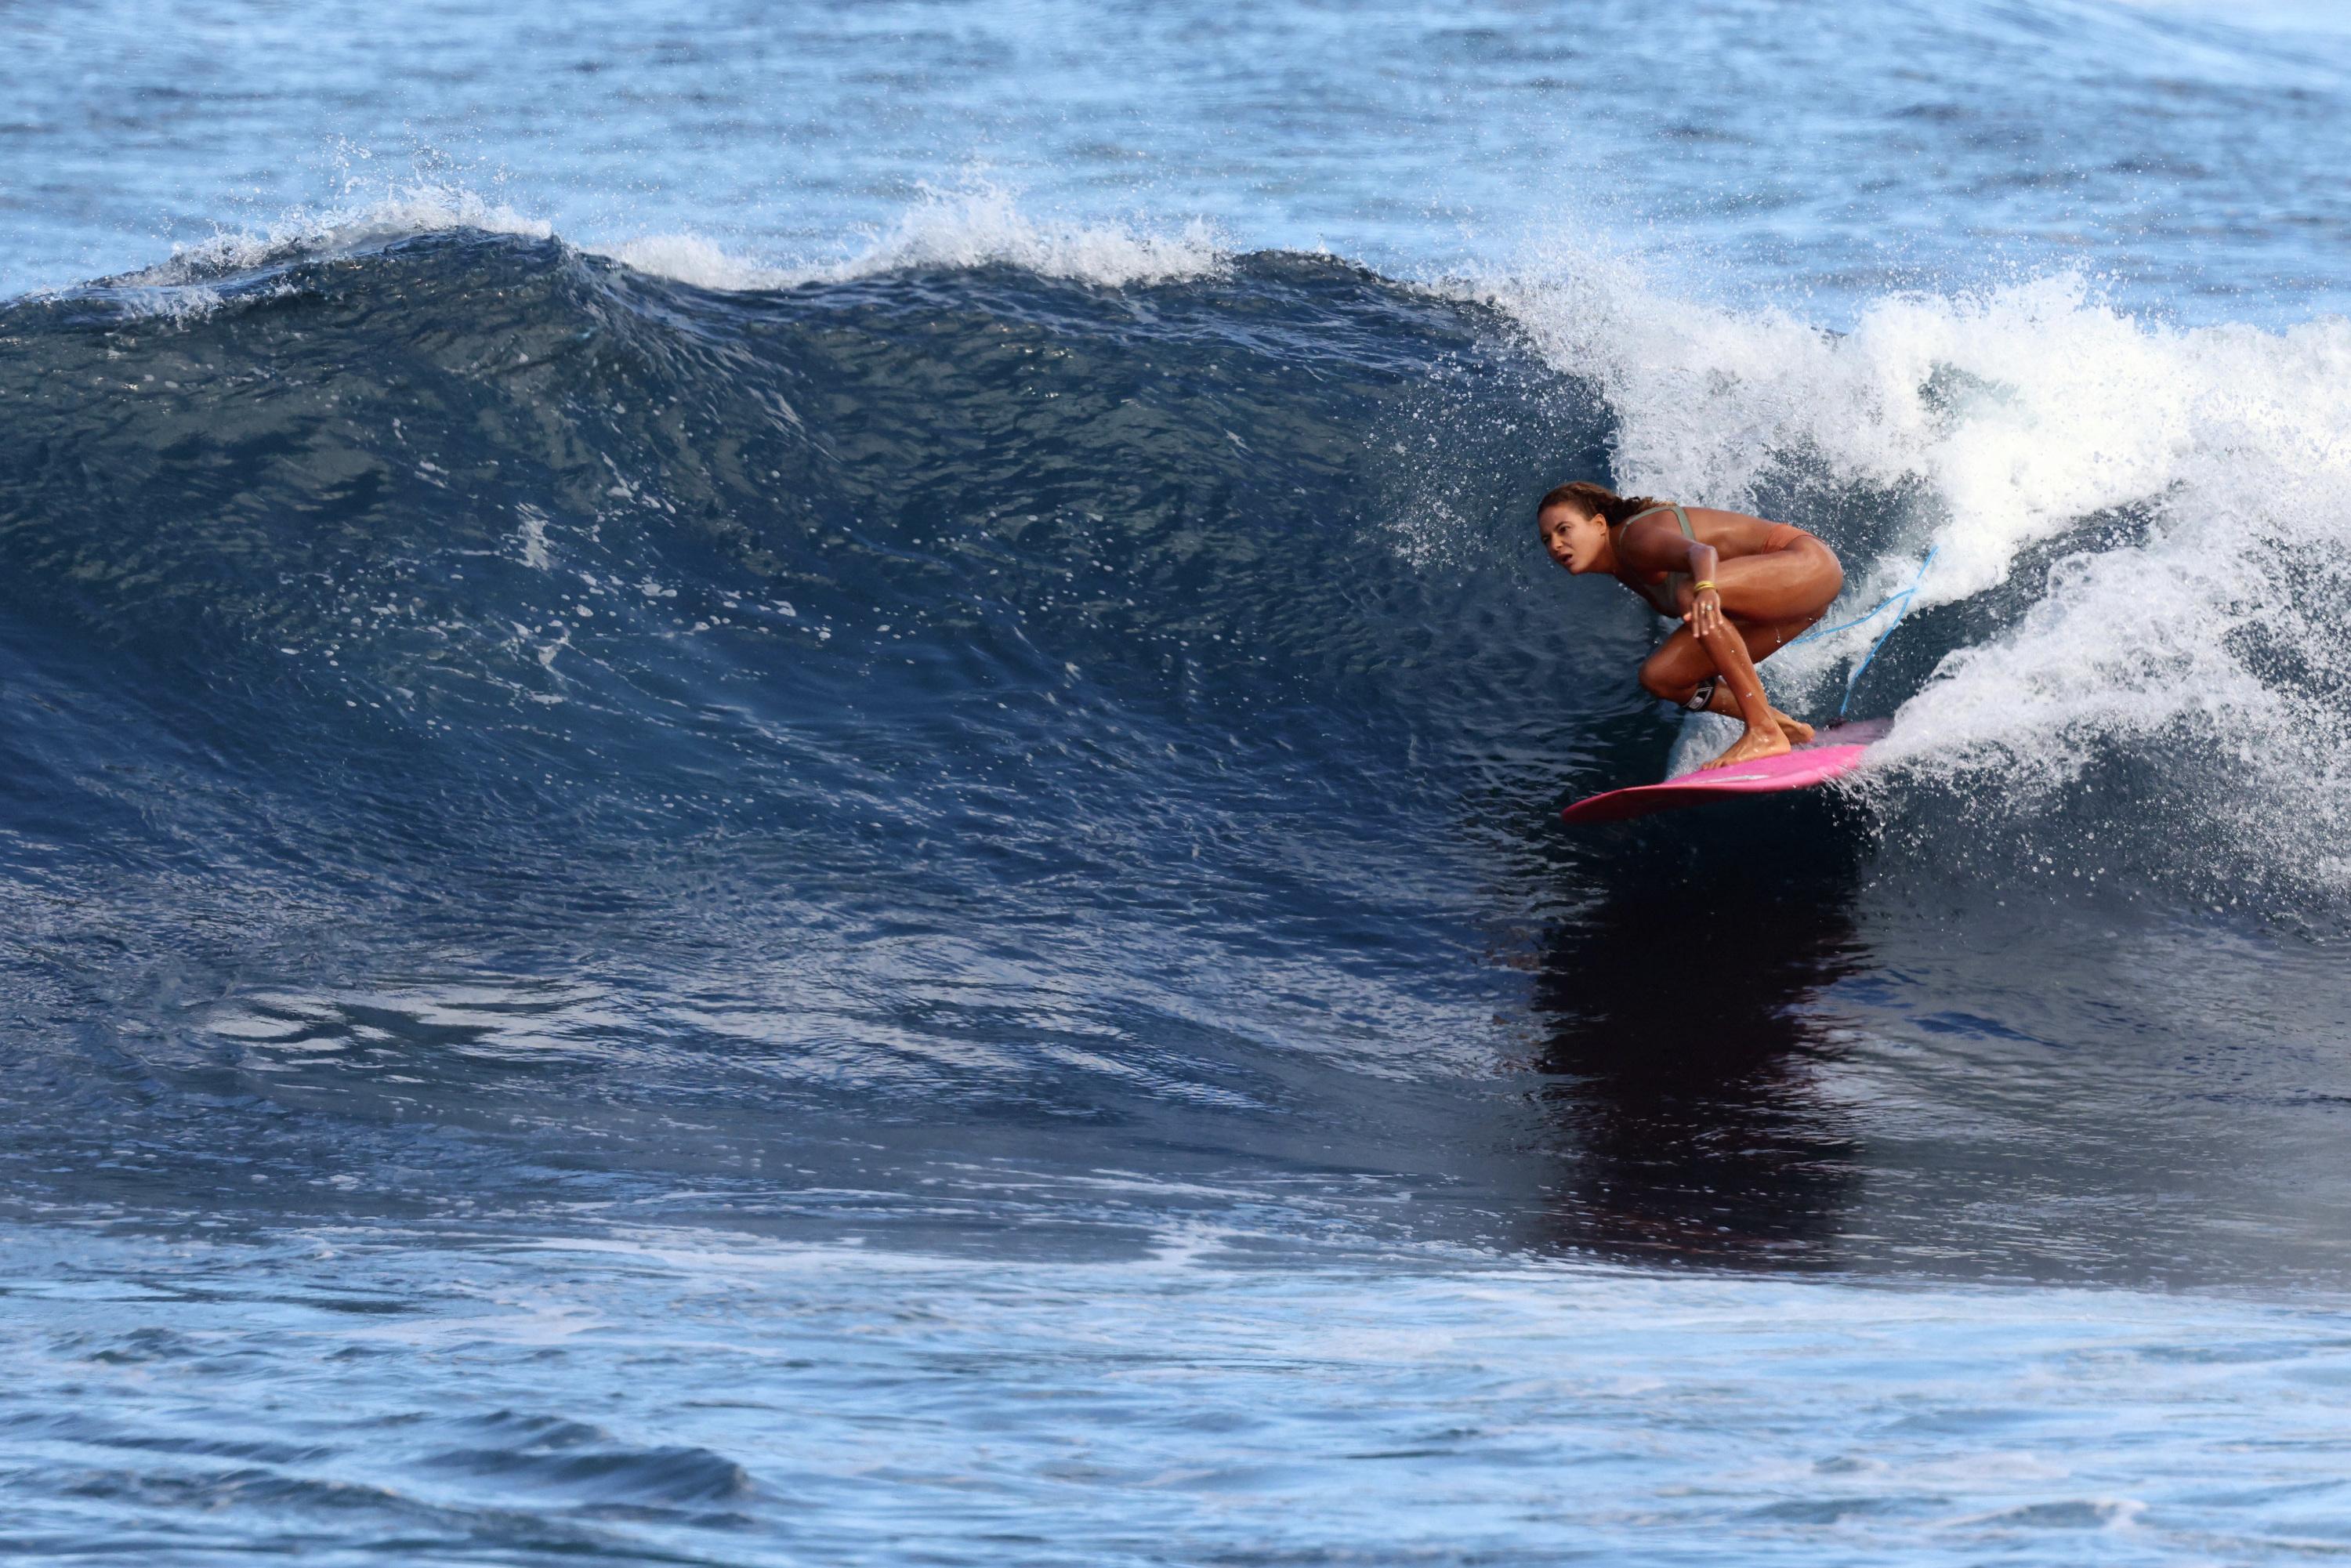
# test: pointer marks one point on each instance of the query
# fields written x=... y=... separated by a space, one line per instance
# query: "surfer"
x=1744 y=589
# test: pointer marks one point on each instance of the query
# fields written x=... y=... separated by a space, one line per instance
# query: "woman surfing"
x=1744 y=588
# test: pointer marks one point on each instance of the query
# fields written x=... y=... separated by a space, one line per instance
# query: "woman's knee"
x=1663 y=681
x=1828 y=571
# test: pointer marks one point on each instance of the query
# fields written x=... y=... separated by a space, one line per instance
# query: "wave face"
x=495 y=723
x=955 y=688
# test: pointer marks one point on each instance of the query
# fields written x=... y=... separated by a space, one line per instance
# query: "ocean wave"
x=1080 y=557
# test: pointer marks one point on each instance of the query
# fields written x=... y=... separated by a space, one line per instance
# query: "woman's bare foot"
x=1798 y=732
x=1754 y=746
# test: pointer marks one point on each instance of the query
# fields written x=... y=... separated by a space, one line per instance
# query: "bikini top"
x=1665 y=595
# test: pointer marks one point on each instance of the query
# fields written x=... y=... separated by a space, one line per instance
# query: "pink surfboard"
x=1831 y=752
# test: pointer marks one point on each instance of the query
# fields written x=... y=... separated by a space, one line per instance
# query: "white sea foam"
x=976 y=227
x=983 y=225
x=692 y=259
x=400 y=212
x=2006 y=421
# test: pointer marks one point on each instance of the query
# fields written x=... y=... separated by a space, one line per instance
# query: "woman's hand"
x=1705 y=615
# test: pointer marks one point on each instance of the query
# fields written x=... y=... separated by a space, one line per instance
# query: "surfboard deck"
x=1832 y=751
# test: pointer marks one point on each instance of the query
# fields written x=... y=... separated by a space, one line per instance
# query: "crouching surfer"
x=1743 y=587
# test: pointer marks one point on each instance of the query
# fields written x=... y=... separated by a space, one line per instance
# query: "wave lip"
x=403 y=212
x=949 y=229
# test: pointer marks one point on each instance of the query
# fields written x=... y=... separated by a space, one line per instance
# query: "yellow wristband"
x=1702 y=587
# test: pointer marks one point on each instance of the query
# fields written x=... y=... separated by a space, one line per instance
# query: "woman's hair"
x=1597 y=501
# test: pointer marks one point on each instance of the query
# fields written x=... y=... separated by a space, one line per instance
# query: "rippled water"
x=784 y=787
x=2183 y=153
x=665 y=1397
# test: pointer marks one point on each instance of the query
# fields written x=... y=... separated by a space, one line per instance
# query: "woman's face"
x=1573 y=538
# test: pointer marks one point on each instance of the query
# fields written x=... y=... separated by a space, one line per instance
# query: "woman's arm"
x=1705 y=615
x=1653 y=546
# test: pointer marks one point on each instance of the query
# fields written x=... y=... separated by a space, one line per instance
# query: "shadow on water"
x=1670 y=1012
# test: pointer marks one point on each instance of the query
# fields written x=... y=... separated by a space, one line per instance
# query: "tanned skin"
x=1764 y=599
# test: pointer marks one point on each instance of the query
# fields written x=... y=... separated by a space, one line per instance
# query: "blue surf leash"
x=1902 y=598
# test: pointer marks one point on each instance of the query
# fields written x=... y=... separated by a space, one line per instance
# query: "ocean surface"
x=779 y=785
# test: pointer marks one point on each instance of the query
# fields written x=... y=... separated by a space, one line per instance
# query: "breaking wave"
x=1021 y=662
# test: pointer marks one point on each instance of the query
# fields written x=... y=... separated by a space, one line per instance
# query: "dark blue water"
x=709 y=860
